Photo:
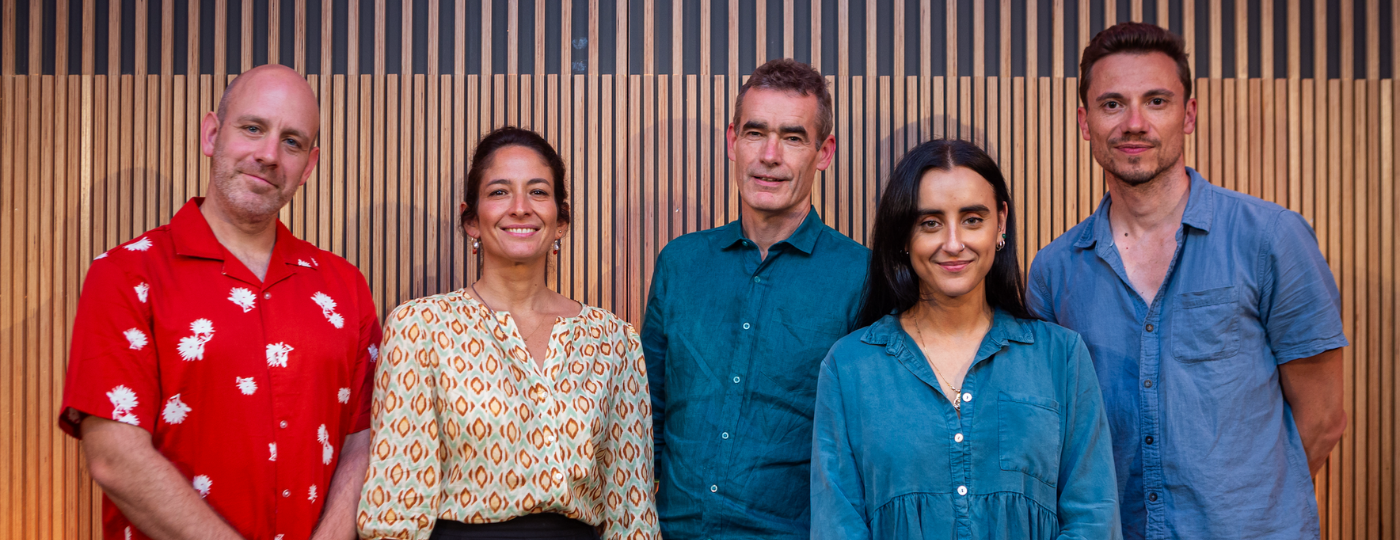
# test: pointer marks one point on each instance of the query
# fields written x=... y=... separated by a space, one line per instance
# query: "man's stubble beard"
x=1137 y=177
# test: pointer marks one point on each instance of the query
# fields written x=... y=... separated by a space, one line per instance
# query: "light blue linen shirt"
x=1204 y=442
x=1029 y=458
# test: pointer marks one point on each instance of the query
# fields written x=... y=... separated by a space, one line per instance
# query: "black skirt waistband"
x=541 y=526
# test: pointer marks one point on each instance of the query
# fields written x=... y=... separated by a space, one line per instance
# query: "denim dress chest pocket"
x=1206 y=325
x=1028 y=436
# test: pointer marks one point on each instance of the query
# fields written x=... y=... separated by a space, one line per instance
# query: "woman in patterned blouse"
x=504 y=409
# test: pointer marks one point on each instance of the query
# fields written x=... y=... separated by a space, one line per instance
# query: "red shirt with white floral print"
x=247 y=386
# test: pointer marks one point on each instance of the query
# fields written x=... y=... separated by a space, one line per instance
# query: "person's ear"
x=208 y=132
x=472 y=226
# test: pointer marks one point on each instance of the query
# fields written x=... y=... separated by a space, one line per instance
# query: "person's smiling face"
x=776 y=152
x=517 y=219
x=953 y=244
x=1137 y=116
x=262 y=149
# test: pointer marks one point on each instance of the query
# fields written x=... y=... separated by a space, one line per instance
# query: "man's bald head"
x=275 y=78
x=262 y=144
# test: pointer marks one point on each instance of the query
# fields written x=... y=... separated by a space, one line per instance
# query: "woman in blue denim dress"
x=953 y=413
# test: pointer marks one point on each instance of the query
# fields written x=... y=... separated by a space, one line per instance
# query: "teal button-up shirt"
x=733 y=344
x=1029 y=457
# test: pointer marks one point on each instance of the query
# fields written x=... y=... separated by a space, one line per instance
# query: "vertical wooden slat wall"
x=89 y=160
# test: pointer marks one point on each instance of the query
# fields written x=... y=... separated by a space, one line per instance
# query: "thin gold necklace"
x=957 y=403
x=532 y=333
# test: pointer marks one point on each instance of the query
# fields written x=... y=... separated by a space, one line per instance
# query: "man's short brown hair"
x=792 y=76
x=1134 y=38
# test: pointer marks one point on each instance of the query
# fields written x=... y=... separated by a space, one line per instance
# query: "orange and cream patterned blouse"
x=467 y=428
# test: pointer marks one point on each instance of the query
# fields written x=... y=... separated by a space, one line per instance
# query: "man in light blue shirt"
x=1212 y=319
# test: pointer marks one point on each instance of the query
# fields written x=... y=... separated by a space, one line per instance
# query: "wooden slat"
x=88 y=161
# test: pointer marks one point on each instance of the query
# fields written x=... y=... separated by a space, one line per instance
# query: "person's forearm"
x=338 y=516
x=146 y=487
x=1313 y=388
x=1320 y=434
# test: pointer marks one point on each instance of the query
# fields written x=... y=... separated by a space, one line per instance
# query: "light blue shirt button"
x=724 y=435
x=757 y=279
x=746 y=326
x=714 y=489
x=736 y=380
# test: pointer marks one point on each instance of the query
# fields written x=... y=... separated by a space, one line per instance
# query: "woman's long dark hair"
x=892 y=285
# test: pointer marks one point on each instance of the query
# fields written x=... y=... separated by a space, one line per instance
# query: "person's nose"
x=772 y=152
x=266 y=151
x=1136 y=120
x=954 y=243
x=520 y=204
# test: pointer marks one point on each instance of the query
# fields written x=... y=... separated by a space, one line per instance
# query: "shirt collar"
x=1199 y=213
x=803 y=239
x=1005 y=328
x=193 y=238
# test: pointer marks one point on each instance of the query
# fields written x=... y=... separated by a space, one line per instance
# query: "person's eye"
x=929 y=223
x=1159 y=101
x=973 y=221
x=539 y=192
x=1110 y=105
x=293 y=143
x=496 y=192
x=254 y=130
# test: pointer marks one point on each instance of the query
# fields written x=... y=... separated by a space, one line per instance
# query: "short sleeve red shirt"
x=248 y=387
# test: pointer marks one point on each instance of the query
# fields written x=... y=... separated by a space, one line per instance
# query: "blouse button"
x=967 y=396
x=962 y=490
x=549 y=438
x=286 y=493
x=957 y=438
x=284 y=424
x=267 y=296
x=558 y=476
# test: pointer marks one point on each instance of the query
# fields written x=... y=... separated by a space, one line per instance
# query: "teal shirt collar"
x=803 y=239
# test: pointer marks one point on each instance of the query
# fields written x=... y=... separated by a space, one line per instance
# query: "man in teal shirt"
x=739 y=319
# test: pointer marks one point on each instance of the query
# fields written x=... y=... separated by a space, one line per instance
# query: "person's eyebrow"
x=972 y=209
x=793 y=130
x=1155 y=92
x=755 y=124
x=254 y=119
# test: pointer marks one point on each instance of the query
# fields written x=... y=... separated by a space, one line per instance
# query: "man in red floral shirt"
x=220 y=373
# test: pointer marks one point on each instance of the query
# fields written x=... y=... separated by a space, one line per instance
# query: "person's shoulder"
x=133 y=256
x=859 y=347
x=842 y=246
x=1059 y=249
x=1049 y=333
x=1236 y=204
x=688 y=248
x=605 y=321
x=437 y=304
